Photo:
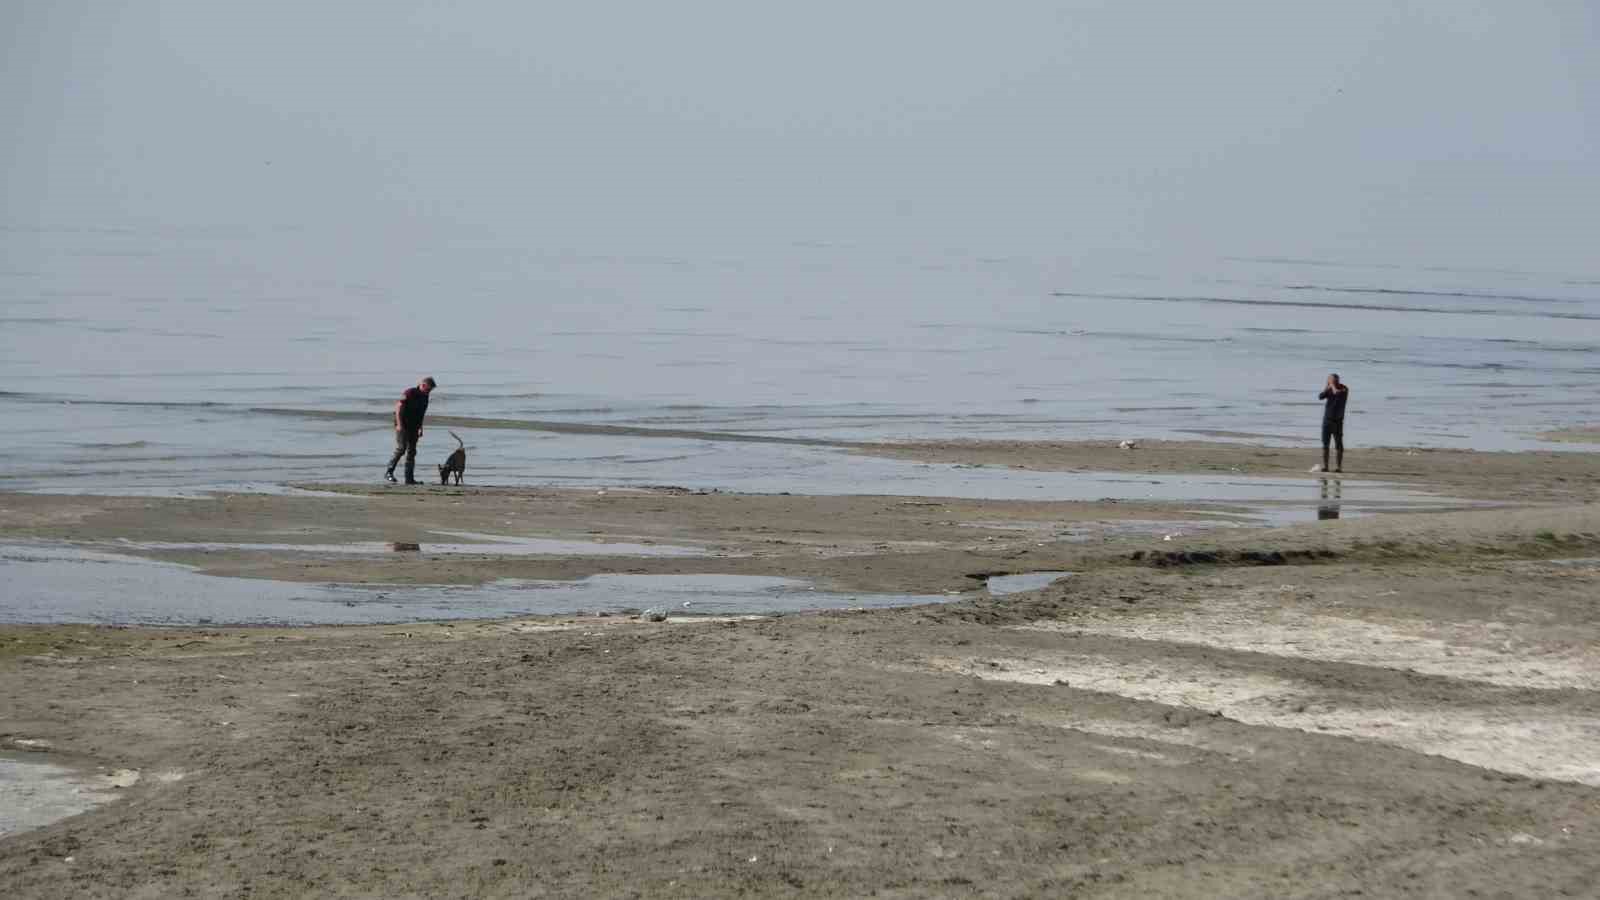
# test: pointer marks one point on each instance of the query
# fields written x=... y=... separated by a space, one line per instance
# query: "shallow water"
x=178 y=464
x=34 y=792
x=57 y=583
x=483 y=545
x=136 y=362
x=1001 y=585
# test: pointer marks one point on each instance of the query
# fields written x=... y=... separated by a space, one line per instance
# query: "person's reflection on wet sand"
x=1328 y=505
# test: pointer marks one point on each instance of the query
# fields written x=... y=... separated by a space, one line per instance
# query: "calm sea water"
x=142 y=359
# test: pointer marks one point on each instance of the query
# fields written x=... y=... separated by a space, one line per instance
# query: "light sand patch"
x=1491 y=652
x=1557 y=746
x=1172 y=735
x=993 y=742
x=120 y=778
x=1134 y=752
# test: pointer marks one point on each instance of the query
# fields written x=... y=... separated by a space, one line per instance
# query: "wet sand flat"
x=875 y=544
x=1555 y=475
x=1395 y=704
x=1578 y=434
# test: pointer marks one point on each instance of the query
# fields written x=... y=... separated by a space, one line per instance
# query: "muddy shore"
x=1401 y=704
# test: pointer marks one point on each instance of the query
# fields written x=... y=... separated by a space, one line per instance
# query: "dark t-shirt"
x=1333 y=405
x=413 y=405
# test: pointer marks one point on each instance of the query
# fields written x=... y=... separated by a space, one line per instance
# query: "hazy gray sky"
x=1430 y=131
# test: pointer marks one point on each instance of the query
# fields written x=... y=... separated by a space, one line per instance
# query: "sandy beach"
x=890 y=442
x=1394 y=704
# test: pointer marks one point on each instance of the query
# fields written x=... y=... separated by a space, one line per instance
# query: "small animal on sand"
x=456 y=464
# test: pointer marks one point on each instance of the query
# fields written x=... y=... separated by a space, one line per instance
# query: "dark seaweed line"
x=382 y=419
x=1404 y=292
x=1312 y=304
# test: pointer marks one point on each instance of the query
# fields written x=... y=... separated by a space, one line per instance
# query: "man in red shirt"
x=408 y=413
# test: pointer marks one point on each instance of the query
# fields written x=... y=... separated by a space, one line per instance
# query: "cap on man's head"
x=428 y=380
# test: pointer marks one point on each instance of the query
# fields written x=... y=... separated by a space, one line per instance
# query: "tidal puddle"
x=707 y=594
x=1277 y=500
x=34 y=793
x=737 y=462
x=1101 y=530
x=1001 y=585
x=480 y=544
x=60 y=584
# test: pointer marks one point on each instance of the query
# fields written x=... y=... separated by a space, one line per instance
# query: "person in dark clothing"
x=1334 y=396
x=408 y=413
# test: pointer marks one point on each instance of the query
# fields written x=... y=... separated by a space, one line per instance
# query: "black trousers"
x=405 y=444
x=1334 y=432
